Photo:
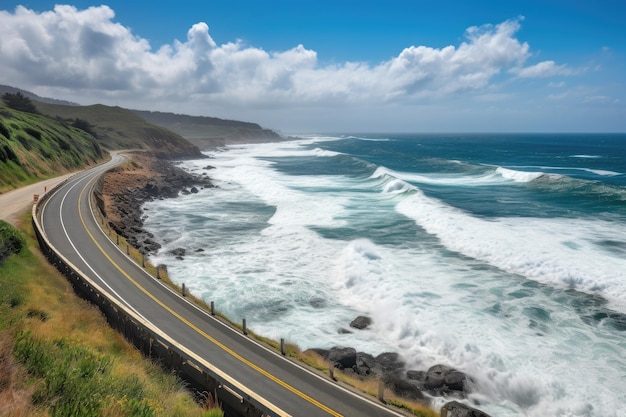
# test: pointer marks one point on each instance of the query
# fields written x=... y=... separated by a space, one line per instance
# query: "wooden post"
x=143 y=261
x=212 y=308
x=381 y=391
x=282 y=346
x=245 y=329
x=127 y=249
x=331 y=371
x=184 y=290
x=158 y=271
x=117 y=239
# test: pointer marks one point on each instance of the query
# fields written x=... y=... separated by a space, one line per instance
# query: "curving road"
x=282 y=387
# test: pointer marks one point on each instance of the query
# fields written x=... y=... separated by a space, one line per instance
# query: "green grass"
x=35 y=147
x=118 y=128
x=59 y=357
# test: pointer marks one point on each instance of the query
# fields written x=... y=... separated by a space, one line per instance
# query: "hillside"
x=34 y=147
x=118 y=128
x=33 y=96
x=208 y=132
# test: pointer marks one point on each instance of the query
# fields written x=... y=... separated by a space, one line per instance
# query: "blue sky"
x=332 y=66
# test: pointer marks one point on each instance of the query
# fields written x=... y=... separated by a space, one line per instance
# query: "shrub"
x=85 y=126
x=5 y=131
x=11 y=240
x=24 y=142
x=33 y=132
x=19 y=101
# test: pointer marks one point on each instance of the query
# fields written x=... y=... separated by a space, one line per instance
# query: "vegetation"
x=35 y=147
x=11 y=241
x=58 y=356
x=118 y=128
x=20 y=102
x=207 y=132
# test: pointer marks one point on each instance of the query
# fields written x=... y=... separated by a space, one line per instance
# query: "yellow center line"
x=200 y=331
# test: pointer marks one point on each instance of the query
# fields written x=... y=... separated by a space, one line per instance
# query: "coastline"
x=120 y=195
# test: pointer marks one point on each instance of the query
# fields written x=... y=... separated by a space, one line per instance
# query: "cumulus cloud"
x=87 y=50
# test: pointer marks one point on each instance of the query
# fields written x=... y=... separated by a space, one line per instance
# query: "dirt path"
x=15 y=202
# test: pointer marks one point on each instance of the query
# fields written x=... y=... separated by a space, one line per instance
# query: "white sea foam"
x=518 y=176
x=558 y=252
x=586 y=156
x=457 y=294
x=498 y=176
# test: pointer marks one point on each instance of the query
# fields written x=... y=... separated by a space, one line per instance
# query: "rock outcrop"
x=361 y=322
x=121 y=192
x=457 y=409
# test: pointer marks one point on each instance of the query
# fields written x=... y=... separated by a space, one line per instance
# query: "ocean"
x=502 y=255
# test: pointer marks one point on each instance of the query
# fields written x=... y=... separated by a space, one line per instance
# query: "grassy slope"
x=206 y=132
x=118 y=128
x=58 y=356
x=35 y=147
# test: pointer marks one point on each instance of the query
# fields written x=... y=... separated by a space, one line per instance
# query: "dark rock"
x=178 y=252
x=443 y=379
x=457 y=409
x=342 y=357
x=367 y=365
x=455 y=380
x=194 y=190
x=361 y=322
x=418 y=376
x=390 y=362
x=436 y=377
x=402 y=387
x=343 y=331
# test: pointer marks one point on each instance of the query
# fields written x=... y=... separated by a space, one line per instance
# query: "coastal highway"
x=284 y=388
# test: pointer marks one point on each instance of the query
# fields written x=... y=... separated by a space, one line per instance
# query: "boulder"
x=178 y=252
x=403 y=388
x=441 y=378
x=457 y=409
x=390 y=362
x=342 y=357
x=367 y=365
x=416 y=375
x=361 y=322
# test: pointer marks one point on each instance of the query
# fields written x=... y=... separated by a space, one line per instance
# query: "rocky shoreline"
x=120 y=194
x=416 y=385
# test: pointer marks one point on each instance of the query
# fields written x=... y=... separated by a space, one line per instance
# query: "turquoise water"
x=501 y=255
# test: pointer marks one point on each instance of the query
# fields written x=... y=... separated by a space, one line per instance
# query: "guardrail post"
x=381 y=390
x=143 y=260
x=245 y=329
x=117 y=239
x=184 y=292
x=127 y=249
x=331 y=371
x=282 y=346
x=158 y=271
x=212 y=308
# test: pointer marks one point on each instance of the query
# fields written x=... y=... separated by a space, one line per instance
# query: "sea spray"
x=485 y=253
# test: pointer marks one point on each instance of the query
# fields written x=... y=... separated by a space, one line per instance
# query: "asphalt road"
x=286 y=388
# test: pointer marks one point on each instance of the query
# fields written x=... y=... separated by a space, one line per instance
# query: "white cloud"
x=542 y=70
x=86 y=49
x=88 y=53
